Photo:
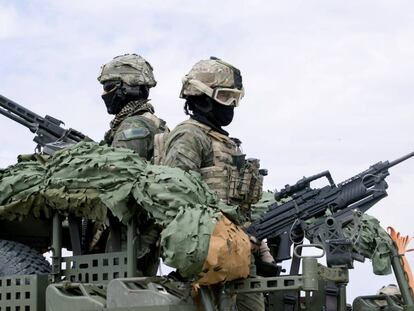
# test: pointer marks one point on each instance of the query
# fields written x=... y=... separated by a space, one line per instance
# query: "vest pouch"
x=218 y=180
x=257 y=188
x=256 y=180
x=239 y=186
x=246 y=184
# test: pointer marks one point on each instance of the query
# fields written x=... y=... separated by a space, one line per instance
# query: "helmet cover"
x=212 y=73
x=132 y=69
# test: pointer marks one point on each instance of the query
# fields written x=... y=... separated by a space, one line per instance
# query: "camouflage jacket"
x=135 y=127
x=188 y=147
x=218 y=158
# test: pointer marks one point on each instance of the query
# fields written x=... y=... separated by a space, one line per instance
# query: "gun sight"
x=302 y=184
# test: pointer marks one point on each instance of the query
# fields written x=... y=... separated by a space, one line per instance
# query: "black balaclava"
x=207 y=111
x=119 y=94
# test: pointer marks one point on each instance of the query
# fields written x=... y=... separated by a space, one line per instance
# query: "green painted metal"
x=80 y=283
x=56 y=247
x=23 y=292
x=401 y=280
x=342 y=298
x=370 y=303
x=270 y=284
x=94 y=268
x=75 y=297
x=154 y=308
x=132 y=248
x=147 y=291
x=310 y=273
x=308 y=281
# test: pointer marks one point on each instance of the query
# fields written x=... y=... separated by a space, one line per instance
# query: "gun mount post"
x=132 y=248
x=56 y=247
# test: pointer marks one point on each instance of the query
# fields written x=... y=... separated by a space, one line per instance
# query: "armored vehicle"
x=108 y=275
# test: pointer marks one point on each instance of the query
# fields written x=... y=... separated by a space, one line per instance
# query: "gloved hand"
x=255 y=244
x=264 y=253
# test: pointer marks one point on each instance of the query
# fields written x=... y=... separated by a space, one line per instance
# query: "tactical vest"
x=159 y=147
x=163 y=130
x=234 y=179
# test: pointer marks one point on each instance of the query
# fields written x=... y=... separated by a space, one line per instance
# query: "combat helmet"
x=131 y=69
x=216 y=79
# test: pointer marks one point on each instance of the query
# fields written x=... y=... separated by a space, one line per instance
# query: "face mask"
x=206 y=110
x=223 y=115
x=112 y=101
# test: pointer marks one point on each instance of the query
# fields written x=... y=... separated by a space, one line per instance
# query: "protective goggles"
x=110 y=86
x=222 y=95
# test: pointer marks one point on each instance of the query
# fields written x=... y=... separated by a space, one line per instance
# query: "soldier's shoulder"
x=147 y=120
x=136 y=119
x=192 y=126
x=159 y=123
x=190 y=130
x=135 y=127
x=186 y=146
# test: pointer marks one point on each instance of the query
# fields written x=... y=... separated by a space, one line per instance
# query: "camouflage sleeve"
x=186 y=148
x=136 y=133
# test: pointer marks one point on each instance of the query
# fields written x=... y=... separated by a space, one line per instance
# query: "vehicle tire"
x=19 y=259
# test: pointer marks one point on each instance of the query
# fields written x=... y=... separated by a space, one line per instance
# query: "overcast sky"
x=329 y=84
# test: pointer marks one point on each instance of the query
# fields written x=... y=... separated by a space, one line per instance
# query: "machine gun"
x=320 y=214
x=50 y=136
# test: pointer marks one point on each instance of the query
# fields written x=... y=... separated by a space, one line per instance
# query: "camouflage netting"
x=263 y=205
x=373 y=242
x=88 y=179
x=17 y=184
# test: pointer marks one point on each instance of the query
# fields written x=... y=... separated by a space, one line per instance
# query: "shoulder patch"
x=134 y=133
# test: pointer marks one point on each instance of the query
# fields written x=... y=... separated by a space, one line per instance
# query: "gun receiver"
x=308 y=209
x=49 y=134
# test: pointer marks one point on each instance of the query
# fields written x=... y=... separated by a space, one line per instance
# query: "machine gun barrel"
x=48 y=130
x=32 y=127
x=399 y=160
x=15 y=109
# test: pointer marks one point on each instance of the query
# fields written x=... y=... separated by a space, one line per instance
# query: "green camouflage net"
x=263 y=205
x=18 y=184
x=373 y=242
x=88 y=179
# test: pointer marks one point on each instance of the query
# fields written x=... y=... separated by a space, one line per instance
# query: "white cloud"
x=328 y=85
x=8 y=22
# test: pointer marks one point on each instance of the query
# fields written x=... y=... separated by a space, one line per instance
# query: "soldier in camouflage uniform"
x=212 y=89
x=126 y=81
